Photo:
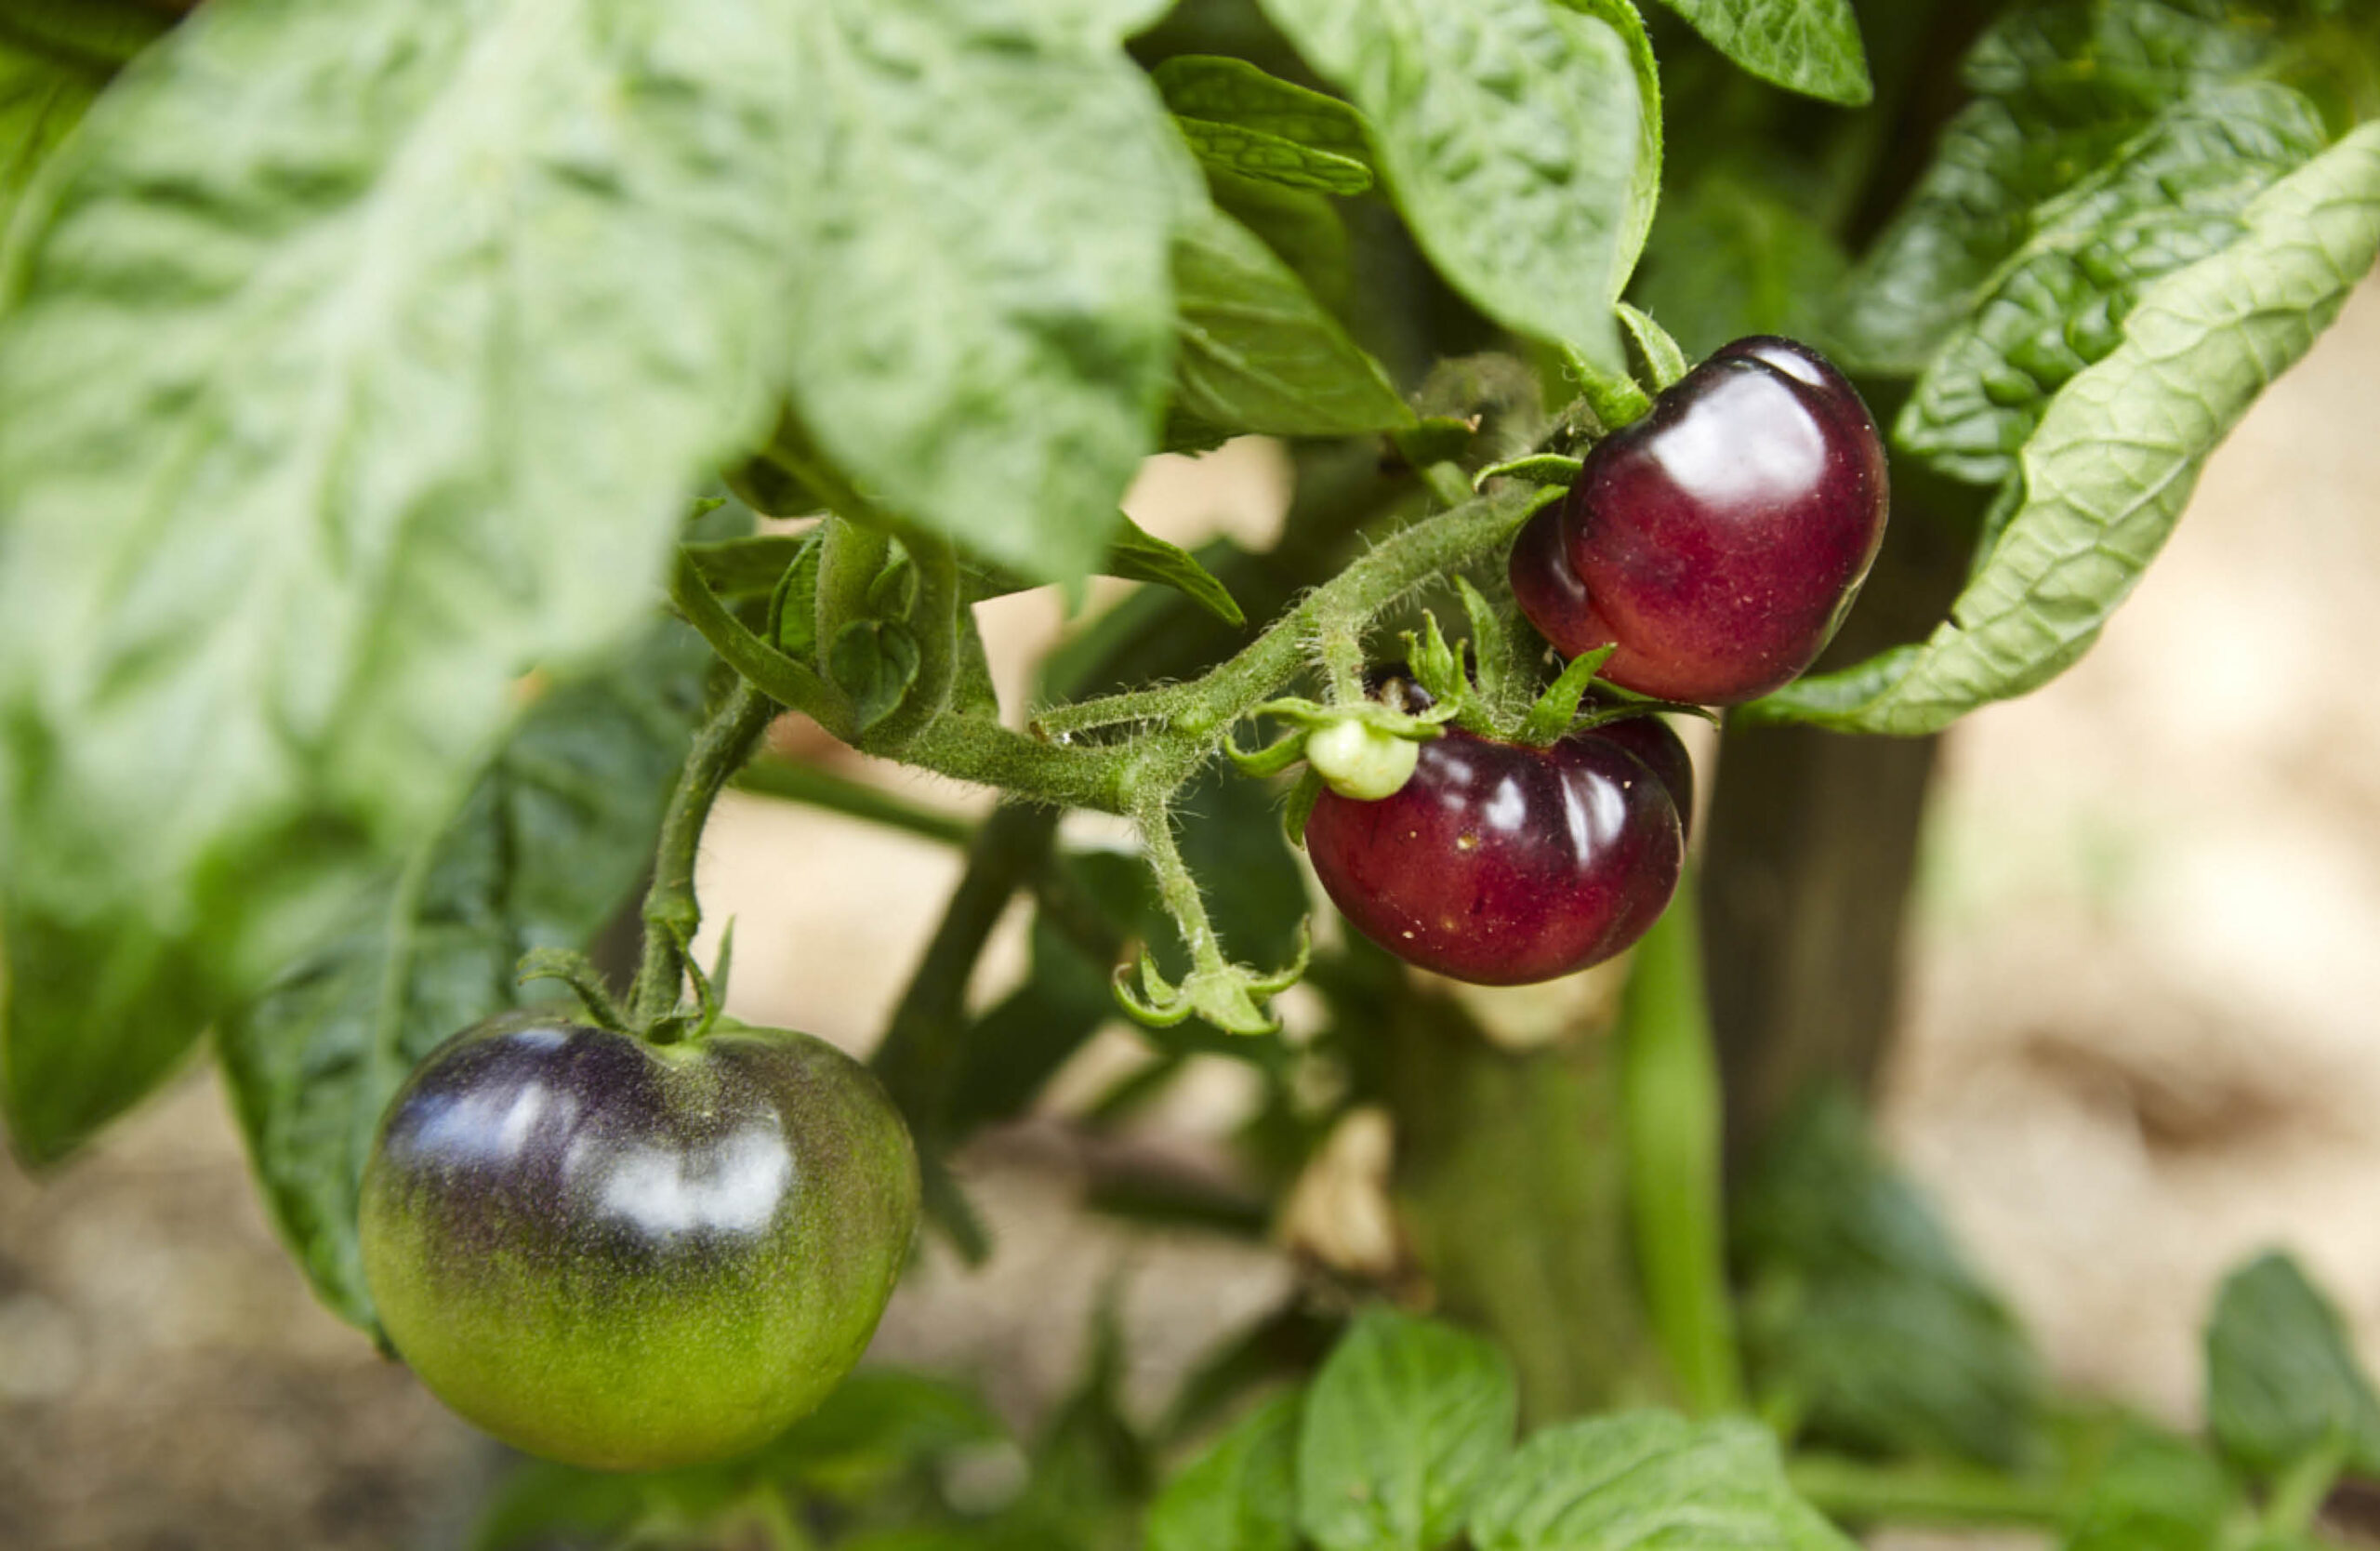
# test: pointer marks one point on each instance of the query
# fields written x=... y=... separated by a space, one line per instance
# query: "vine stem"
x=672 y=913
x=1671 y=1106
x=1857 y=1493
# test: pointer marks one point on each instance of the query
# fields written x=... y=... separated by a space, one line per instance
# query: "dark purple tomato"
x=1652 y=740
x=626 y=1256
x=1719 y=540
x=1500 y=864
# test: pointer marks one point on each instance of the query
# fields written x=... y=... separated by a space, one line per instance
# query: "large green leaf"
x=2170 y=197
x=551 y=837
x=1729 y=256
x=2104 y=479
x=1258 y=352
x=1515 y=136
x=2282 y=1382
x=1241 y=1494
x=983 y=310
x=1648 y=1479
x=1860 y=1313
x=1403 y=1424
x=1805 y=45
x=2060 y=87
x=358 y=358
x=55 y=54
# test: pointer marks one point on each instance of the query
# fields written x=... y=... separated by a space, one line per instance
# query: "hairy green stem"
x=672 y=913
x=1202 y=708
x=1857 y=1493
x=1670 y=1105
x=2297 y=1496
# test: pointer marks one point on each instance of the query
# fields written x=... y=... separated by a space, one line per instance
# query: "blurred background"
x=2140 y=1040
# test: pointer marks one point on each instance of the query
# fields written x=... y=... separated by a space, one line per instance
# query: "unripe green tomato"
x=629 y=1256
x=1362 y=761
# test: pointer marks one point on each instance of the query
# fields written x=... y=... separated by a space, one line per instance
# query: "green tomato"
x=629 y=1256
x=1362 y=761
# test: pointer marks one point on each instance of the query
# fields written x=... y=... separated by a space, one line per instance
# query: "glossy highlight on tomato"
x=626 y=1256
x=1720 y=540
x=1500 y=863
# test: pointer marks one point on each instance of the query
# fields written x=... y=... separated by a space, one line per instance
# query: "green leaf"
x=1225 y=90
x=1253 y=153
x=1238 y=118
x=1805 y=45
x=2172 y=197
x=2282 y=1382
x=1139 y=556
x=2106 y=476
x=1302 y=229
x=2155 y=1493
x=97 y=35
x=45 y=83
x=315 y=436
x=1648 y=1479
x=1729 y=256
x=1403 y=1425
x=874 y=661
x=2060 y=89
x=1860 y=1311
x=1241 y=1494
x=1258 y=354
x=982 y=308
x=550 y=841
x=1514 y=135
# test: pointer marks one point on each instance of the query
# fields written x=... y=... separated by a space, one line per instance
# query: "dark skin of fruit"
x=1652 y=740
x=629 y=1256
x=1719 y=540
x=1503 y=865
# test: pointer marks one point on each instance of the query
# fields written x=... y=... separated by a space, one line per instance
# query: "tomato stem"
x=1671 y=1116
x=671 y=912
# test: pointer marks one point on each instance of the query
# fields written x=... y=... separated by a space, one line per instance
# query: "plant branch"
x=1856 y=1493
x=672 y=913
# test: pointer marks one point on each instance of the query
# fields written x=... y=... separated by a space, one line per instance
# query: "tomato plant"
x=437 y=441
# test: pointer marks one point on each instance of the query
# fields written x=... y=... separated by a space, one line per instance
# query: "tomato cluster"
x=1713 y=545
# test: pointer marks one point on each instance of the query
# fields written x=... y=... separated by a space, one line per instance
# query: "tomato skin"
x=1720 y=540
x=1651 y=739
x=1503 y=865
x=630 y=1257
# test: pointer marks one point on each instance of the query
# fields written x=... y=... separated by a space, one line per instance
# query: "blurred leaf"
x=982 y=312
x=1269 y=158
x=2060 y=87
x=1728 y=258
x=2170 y=197
x=2155 y=1493
x=1258 y=352
x=55 y=54
x=874 y=1425
x=750 y=566
x=1648 y=1479
x=1403 y=1425
x=311 y=451
x=1241 y=1494
x=1805 y=45
x=1302 y=229
x=1225 y=90
x=1859 y=1311
x=2282 y=1382
x=2106 y=476
x=1513 y=134
x=1138 y=555
x=550 y=841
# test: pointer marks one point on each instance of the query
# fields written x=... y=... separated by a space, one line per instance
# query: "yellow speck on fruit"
x=1466 y=842
x=1409 y=936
